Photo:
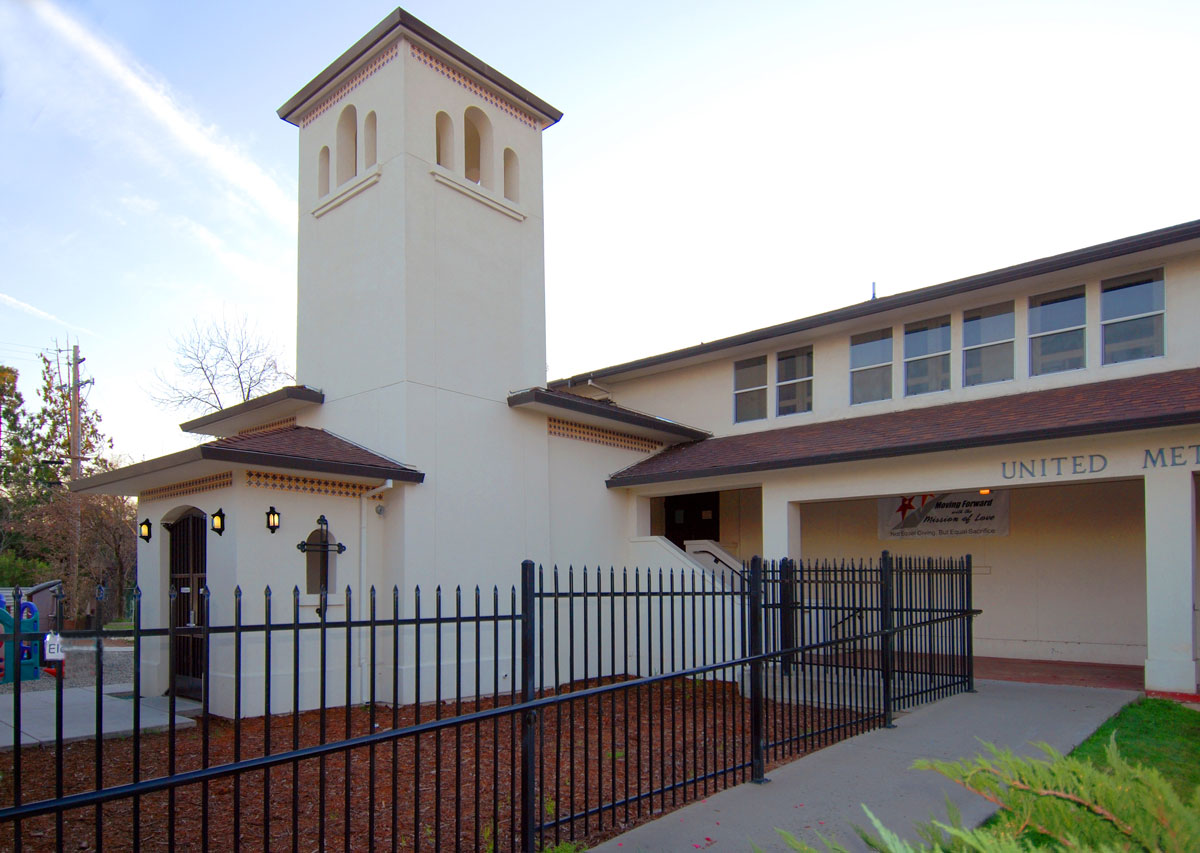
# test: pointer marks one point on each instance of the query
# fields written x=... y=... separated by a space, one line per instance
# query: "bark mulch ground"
x=604 y=764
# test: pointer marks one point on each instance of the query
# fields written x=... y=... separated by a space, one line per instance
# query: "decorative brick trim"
x=282 y=423
x=426 y=58
x=387 y=55
x=188 y=487
x=597 y=435
x=308 y=485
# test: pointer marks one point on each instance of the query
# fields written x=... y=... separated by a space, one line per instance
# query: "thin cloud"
x=198 y=139
x=34 y=311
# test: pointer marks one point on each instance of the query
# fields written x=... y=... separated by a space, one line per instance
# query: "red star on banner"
x=906 y=506
x=925 y=499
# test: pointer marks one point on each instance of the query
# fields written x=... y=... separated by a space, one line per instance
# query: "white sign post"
x=54 y=648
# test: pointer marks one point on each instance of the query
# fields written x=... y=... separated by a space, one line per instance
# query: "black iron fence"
x=567 y=707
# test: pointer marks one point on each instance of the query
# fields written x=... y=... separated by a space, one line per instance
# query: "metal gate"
x=188 y=574
x=494 y=721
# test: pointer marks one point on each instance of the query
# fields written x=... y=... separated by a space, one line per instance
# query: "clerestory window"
x=988 y=338
x=793 y=381
x=871 y=366
x=1131 y=317
x=927 y=356
x=1057 y=331
x=750 y=389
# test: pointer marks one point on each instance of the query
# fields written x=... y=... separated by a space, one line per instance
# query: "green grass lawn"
x=1156 y=733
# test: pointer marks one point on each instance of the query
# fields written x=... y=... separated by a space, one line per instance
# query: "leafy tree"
x=45 y=530
x=27 y=471
x=220 y=365
x=109 y=534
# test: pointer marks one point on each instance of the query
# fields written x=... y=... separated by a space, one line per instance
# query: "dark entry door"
x=188 y=561
x=693 y=517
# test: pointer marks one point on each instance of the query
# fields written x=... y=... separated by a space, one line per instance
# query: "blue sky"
x=719 y=167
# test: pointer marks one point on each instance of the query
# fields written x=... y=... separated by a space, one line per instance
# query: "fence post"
x=757 y=705
x=969 y=622
x=528 y=717
x=787 y=611
x=885 y=639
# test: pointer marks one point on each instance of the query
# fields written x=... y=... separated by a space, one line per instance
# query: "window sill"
x=473 y=190
x=348 y=191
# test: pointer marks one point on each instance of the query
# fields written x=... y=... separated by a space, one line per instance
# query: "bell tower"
x=421 y=295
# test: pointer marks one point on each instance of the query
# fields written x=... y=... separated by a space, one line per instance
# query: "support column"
x=774 y=523
x=1170 y=574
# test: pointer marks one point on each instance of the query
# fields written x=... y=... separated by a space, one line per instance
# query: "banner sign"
x=948 y=514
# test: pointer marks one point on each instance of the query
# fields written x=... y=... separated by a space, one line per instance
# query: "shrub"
x=1057 y=803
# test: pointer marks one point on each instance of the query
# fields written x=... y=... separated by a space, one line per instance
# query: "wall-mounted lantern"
x=218 y=522
x=272 y=519
x=144 y=530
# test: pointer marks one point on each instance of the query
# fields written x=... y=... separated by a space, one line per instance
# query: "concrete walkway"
x=824 y=792
x=39 y=715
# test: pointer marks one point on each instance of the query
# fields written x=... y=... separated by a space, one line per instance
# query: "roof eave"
x=660 y=429
x=97 y=483
x=279 y=403
x=400 y=20
x=1070 y=431
x=300 y=463
x=105 y=481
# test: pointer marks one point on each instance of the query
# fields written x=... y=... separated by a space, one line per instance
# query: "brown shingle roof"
x=292 y=448
x=301 y=446
x=1139 y=402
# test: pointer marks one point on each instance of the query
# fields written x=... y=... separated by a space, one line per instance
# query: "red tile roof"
x=1139 y=402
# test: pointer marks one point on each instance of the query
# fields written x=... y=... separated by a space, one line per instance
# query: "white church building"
x=1044 y=418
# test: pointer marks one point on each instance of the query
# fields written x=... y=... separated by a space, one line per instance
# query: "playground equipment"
x=25 y=660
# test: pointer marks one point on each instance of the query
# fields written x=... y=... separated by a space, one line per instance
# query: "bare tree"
x=220 y=365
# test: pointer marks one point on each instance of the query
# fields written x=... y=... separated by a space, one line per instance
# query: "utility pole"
x=75 y=443
x=73 y=430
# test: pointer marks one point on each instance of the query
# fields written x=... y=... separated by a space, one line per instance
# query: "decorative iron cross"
x=324 y=545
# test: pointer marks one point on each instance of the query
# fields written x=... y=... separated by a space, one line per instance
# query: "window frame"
x=1110 y=285
x=984 y=344
x=750 y=389
x=1075 y=291
x=885 y=333
x=944 y=354
x=780 y=384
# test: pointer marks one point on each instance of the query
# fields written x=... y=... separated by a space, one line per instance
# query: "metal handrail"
x=724 y=563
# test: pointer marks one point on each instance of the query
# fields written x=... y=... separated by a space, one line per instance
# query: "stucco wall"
x=589 y=524
x=1067 y=583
